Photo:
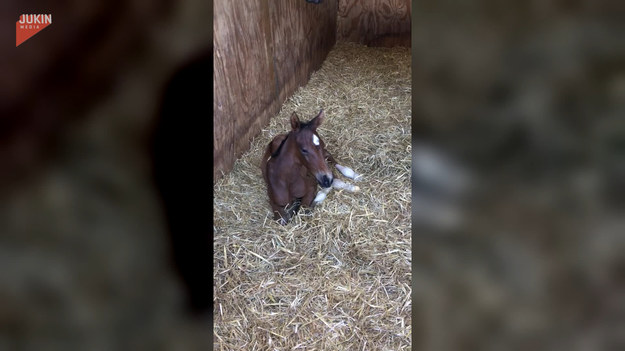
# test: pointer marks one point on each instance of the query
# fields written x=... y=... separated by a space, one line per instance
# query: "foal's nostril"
x=325 y=181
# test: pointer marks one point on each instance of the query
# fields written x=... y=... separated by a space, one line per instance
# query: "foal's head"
x=310 y=148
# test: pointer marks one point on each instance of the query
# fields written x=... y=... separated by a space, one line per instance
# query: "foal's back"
x=271 y=148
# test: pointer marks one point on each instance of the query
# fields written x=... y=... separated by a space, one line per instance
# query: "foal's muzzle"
x=325 y=182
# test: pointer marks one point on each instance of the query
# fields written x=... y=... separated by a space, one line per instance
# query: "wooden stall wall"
x=367 y=21
x=264 y=51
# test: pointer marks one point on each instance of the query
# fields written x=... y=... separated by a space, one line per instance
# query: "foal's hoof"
x=307 y=211
x=280 y=220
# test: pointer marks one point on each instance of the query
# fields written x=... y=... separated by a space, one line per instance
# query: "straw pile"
x=339 y=278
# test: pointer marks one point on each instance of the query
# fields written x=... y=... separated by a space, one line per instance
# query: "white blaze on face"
x=315 y=140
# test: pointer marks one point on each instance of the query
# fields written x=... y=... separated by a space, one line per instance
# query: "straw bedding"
x=339 y=278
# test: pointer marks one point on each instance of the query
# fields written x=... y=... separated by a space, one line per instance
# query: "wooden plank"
x=363 y=21
x=264 y=51
x=242 y=74
x=302 y=43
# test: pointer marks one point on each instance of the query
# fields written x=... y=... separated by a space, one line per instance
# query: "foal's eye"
x=304 y=151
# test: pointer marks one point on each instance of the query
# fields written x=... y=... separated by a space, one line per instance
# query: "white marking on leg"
x=321 y=195
x=339 y=184
x=348 y=172
x=315 y=140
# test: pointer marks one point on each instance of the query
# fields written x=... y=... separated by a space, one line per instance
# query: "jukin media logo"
x=29 y=25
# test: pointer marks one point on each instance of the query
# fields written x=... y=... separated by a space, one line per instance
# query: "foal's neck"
x=289 y=142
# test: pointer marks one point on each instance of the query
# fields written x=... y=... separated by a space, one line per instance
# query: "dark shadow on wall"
x=180 y=148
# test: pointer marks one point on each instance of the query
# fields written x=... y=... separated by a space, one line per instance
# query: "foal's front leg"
x=286 y=212
x=280 y=214
x=293 y=207
x=309 y=195
x=308 y=198
x=280 y=203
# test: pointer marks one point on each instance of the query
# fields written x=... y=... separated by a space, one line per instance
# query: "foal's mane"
x=304 y=125
x=277 y=152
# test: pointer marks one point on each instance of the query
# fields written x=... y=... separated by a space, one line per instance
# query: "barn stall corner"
x=337 y=278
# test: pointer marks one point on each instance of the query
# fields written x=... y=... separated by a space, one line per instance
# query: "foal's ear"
x=316 y=122
x=295 y=121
